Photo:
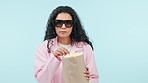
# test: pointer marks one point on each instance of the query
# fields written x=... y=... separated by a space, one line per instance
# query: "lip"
x=62 y=31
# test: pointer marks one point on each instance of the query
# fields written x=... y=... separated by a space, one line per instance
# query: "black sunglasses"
x=59 y=23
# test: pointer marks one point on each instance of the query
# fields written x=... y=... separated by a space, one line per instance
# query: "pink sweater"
x=48 y=69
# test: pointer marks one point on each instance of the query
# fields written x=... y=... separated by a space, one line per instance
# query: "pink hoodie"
x=48 y=69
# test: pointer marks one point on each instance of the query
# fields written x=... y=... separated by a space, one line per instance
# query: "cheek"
x=70 y=31
x=57 y=30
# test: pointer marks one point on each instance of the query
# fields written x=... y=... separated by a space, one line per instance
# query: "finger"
x=86 y=72
x=65 y=51
x=87 y=68
x=61 y=50
x=86 y=75
x=87 y=78
x=60 y=53
x=57 y=53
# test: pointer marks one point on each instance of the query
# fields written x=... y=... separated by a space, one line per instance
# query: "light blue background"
x=117 y=28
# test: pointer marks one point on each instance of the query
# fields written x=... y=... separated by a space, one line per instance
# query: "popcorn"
x=73 y=54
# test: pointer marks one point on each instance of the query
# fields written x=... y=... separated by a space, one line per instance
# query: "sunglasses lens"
x=59 y=23
x=69 y=23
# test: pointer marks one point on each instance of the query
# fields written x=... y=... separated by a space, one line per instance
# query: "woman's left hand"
x=86 y=73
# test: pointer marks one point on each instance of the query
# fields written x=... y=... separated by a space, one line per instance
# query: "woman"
x=64 y=34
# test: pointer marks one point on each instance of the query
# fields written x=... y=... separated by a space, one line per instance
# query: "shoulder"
x=41 y=45
x=44 y=43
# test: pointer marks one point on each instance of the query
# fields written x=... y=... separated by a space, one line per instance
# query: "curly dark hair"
x=78 y=33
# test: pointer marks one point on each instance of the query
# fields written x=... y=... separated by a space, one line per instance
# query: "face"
x=63 y=25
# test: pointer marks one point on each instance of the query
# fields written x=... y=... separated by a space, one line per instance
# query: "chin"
x=63 y=35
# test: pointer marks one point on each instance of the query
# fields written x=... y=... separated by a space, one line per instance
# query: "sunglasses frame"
x=72 y=22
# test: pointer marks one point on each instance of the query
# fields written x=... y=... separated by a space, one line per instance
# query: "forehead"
x=64 y=16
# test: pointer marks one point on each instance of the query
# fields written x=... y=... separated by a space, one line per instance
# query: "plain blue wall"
x=117 y=28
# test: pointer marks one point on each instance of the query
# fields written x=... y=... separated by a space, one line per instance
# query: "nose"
x=63 y=26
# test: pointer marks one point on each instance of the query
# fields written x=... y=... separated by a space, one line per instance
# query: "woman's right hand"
x=60 y=52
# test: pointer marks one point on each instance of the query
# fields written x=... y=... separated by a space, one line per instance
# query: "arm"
x=45 y=64
x=90 y=63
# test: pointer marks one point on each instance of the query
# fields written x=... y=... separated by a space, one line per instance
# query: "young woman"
x=64 y=34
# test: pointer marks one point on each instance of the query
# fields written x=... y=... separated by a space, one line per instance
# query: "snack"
x=73 y=66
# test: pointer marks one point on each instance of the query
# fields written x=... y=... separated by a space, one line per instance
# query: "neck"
x=66 y=40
